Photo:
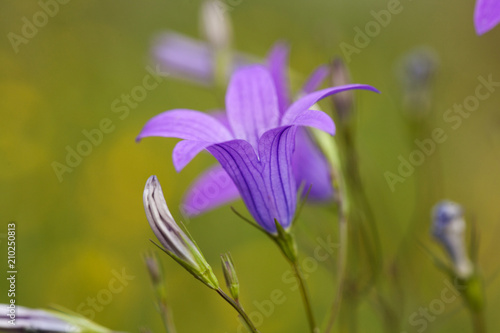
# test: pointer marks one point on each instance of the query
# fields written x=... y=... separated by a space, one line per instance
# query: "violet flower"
x=256 y=148
x=486 y=15
x=310 y=168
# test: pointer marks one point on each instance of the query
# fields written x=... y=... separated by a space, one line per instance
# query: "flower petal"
x=239 y=160
x=211 y=189
x=486 y=15
x=184 y=57
x=311 y=168
x=278 y=65
x=317 y=119
x=186 y=124
x=275 y=150
x=307 y=101
x=315 y=79
x=185 y=151
x=252 y=104
x=267 y=186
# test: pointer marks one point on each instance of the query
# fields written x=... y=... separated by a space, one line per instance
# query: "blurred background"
x=80 y=229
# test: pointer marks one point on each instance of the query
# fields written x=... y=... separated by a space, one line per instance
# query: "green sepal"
x=230 y=276
x=205 y=275
x=286 y=242
x=78 y=322
x=473 y=292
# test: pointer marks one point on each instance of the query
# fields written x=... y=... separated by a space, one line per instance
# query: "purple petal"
x=211 y=189
x=185 y=151
x=221 y=116
x=275 y=150
x=317 y=119
x=311 y=168
x=278 y=65
x=266 y=186
x=486 y=15
x=307 y=101
x=185 y=58
x=251 y=103
x=186 y=124
x=316 y=79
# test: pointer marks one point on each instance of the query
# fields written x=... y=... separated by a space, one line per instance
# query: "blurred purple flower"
x=256 y=148
x=189 y=59
x=486 y=15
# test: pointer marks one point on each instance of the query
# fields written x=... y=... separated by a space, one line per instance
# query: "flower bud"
x=416 y=74
x=342 y=101
x=230 y=275
x=154 y=269
x=215 y=24
x=174 y=240
x=449 y=227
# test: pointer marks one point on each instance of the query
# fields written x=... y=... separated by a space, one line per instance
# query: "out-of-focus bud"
x=176 y=243
x=449 y=227
x=154 y=268
x=343 y=101
x=215 y=24
x=417 y=72
x=230 y=275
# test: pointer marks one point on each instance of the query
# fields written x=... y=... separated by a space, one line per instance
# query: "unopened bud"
x=342 y=101
x=449 y=227
x=154 y=268
x=215 y=24
x=417 y=72
x=174 y=240
x=230 y=275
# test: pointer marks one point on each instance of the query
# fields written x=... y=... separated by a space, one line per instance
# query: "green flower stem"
x=239 y=309
x=348 y=319
x=478 y=324
x=341 y=268
x=288 y=246
x=305 y=297
x=286 y=243
x=166 y=317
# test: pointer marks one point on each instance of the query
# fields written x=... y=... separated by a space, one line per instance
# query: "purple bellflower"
x=196 y=61
x=310 y=168
x=256 y=148
x=486 y=15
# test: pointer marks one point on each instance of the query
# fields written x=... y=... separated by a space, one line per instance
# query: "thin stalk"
x=239 y=309
x=166 y=316
x=293 y=262
x=341 y=267
x=305 y=297
x=348 y=322
x=478 y=324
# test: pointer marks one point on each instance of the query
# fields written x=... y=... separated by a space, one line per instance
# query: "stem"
x=478 y=324
x=239 y=309
x=348 y=318
x=305 y=298
x=341 y=267
x=166 y=317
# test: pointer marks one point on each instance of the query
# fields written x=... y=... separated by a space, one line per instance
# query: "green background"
x=73 y=234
